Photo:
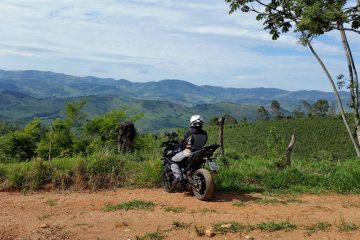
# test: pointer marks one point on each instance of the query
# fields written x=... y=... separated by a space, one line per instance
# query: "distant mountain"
x=19 y=107
x=165 y=104
x=48 y=84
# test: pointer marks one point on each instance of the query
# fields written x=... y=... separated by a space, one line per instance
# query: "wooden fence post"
x=50 y=142
x=119 y=131
x=221 y=122
x=289 y=150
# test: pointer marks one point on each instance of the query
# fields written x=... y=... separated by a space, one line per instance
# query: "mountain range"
x=166 y=103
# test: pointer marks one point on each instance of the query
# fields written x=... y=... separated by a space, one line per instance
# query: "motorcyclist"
x=194 y=139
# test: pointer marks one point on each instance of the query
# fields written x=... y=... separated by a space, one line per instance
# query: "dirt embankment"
x=73 y=215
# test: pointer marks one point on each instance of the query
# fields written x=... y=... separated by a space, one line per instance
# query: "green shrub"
x=104 y=169
x=135 y=204
x=273 y=226
x=38 y=174
x=16 y=175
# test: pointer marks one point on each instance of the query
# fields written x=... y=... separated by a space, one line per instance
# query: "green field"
x=323 y=161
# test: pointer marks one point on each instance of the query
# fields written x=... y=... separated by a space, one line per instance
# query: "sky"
x=150 y=40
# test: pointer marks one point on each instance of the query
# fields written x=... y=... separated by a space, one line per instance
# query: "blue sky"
x=150 y=40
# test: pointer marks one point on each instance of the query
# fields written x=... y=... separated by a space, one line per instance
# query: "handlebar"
x=170 y=135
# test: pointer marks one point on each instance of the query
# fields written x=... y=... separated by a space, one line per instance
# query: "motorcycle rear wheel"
x=167 y=180
x=205 y=190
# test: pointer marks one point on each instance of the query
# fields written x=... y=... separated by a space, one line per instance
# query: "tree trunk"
x=221 y=122
x=354 y=82
x=338 y=99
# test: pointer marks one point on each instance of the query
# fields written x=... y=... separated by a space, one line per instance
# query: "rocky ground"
x=82 y=215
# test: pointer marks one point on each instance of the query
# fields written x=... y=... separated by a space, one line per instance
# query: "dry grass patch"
x=321 y=226
x=151 y=236
x=174 y=209
x=177 y=225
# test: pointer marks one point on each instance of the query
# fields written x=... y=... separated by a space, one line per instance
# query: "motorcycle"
x=196 y=178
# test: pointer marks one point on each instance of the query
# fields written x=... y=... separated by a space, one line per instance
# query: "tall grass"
x=100 y=170
x=260 y=175
x=248 y=165
x=110 y=170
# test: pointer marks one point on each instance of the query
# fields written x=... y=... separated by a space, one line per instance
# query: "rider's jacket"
x=195 y=138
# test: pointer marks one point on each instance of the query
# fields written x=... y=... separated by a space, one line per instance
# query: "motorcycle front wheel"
x=205 y=185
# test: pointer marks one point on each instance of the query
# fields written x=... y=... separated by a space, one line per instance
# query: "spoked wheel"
x=205 y=185
x=167 y=179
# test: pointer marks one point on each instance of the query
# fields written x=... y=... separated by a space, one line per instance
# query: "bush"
x=104 y=170
x=38 y=174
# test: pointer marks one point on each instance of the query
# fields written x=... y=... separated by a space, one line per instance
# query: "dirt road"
x=74 y=215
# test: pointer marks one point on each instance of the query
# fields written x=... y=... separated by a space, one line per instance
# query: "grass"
x=174 y=209
x=347 y=226
x=51 y=202
x=135 y=204
x=239 y=203
x=273 y=226
x=177 y=225
x=151 y=236
x=278 y=201
x=321 y=226
x=43 y=216
x=258 y=175
x=231 y=227
x=106 y=169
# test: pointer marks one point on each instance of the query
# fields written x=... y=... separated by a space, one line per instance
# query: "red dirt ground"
x=80 y=215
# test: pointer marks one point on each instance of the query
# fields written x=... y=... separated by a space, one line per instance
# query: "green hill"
x=48 y=84
x=19 y=107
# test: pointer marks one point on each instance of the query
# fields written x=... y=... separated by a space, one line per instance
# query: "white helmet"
x=196 y=121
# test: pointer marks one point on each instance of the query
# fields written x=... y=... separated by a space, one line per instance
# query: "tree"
x=65 y=135
x=321 y=107
x=310 y=19
x=213 y=121
x=276 y=109
x=230 y=119
x=308 y=108
x=62 y=141
x=74 y=116
x=263 y=114
x=332 y=109
x=21 y=144
x=103 y=129
x=7 y=127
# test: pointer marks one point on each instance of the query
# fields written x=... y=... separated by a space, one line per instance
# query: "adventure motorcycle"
x=196 y=177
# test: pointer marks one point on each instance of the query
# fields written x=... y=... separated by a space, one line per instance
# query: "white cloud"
x=144 y=40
